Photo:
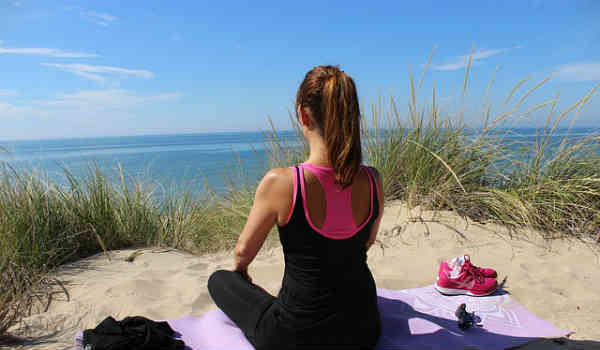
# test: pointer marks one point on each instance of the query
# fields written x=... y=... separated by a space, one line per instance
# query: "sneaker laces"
x=473 y=270
x=468 y=260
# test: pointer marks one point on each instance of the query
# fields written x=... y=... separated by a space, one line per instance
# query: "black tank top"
x=328 y=294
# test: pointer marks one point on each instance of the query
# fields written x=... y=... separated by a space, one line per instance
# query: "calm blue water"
x=170 y=160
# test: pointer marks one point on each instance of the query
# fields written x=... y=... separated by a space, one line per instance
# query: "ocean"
x=183 y=161
x=173 y=161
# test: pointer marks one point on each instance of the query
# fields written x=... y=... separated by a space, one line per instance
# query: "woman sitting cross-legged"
x=327 y=210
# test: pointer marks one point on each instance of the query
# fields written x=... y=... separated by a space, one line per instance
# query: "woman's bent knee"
x=216 y=280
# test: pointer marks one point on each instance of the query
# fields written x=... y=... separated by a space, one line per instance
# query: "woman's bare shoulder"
x=279 y=180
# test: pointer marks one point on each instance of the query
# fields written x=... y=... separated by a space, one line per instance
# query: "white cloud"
x=11 y=110
x=85 y=103
x=82 y=113
x=5 y=93
x=45 y=52
x=461 y=61
x=579 y=71
x=100 y=73
x=102 y=100
x=100 y=18
x=454 y=65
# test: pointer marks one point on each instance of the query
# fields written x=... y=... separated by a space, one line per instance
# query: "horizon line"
x=240 y=132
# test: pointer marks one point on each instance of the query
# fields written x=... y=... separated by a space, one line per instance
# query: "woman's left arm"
x=271 y=191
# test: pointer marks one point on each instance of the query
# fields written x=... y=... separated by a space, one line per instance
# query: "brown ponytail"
x=330 y=94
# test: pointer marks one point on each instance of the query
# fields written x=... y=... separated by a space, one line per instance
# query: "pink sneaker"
x=469 y=281
x=457 y=263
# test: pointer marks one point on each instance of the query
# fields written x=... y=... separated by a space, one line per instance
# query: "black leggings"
x=257 y=314
x=243 y=302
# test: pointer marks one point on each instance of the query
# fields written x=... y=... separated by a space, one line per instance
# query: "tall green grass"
x=44 y=225
x=426 y=159
x=437 y=162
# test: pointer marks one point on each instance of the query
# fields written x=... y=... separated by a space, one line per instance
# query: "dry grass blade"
x=413 y=99
x=101 y=243
x=434 y=107
x=466 y=79
x=516 y=106
x=579 y=103
x=443 y=162
x=426 y=66
x=530 y=91
x=521 y=82
x=485 y=99
x=535 y=108
x=134 y=255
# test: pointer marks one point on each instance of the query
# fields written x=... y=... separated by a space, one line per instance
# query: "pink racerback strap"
x=295 y=194
x=338 y=213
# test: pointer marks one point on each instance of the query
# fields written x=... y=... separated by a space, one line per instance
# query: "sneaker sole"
x=451 y=291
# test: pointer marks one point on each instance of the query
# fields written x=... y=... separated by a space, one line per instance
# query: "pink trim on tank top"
x=294 y=197
x=375 y=181
x=338 y=209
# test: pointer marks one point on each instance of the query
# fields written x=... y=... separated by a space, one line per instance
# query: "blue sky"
x=109 y=68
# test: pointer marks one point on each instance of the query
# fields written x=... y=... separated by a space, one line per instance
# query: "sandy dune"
x=557 y=280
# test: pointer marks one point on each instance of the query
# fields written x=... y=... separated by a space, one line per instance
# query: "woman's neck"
x=318 y=152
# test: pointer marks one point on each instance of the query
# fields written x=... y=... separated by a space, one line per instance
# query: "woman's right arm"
x=379 y=186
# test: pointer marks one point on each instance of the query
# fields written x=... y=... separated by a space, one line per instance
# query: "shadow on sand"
x=396 y=333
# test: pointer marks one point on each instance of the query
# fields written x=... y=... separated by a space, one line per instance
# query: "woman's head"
x=328 y=97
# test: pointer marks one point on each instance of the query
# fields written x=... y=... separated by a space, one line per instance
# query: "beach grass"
x=44 y=224
x=426 y=159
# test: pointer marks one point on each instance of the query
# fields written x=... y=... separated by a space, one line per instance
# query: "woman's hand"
x=244 y=274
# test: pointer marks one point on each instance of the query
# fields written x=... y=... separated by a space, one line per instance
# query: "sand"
x=558 y=280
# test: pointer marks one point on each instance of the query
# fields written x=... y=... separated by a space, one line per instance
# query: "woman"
x=327 y=210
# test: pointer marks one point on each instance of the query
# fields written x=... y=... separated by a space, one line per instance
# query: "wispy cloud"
x=12 y=110
x=45 y=52
x=461 y=61
x=99 y=100
x=73 y=106
x=88 y=112
x=99 y=18
x=7 y=93
x=579 y=71
x=100 y=73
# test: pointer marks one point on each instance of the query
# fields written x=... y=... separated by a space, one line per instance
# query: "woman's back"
x=325 y=261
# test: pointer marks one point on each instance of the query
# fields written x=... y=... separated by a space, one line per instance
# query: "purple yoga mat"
x=419 y=318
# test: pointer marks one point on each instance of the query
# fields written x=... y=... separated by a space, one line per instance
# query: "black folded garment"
x=132 y=333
